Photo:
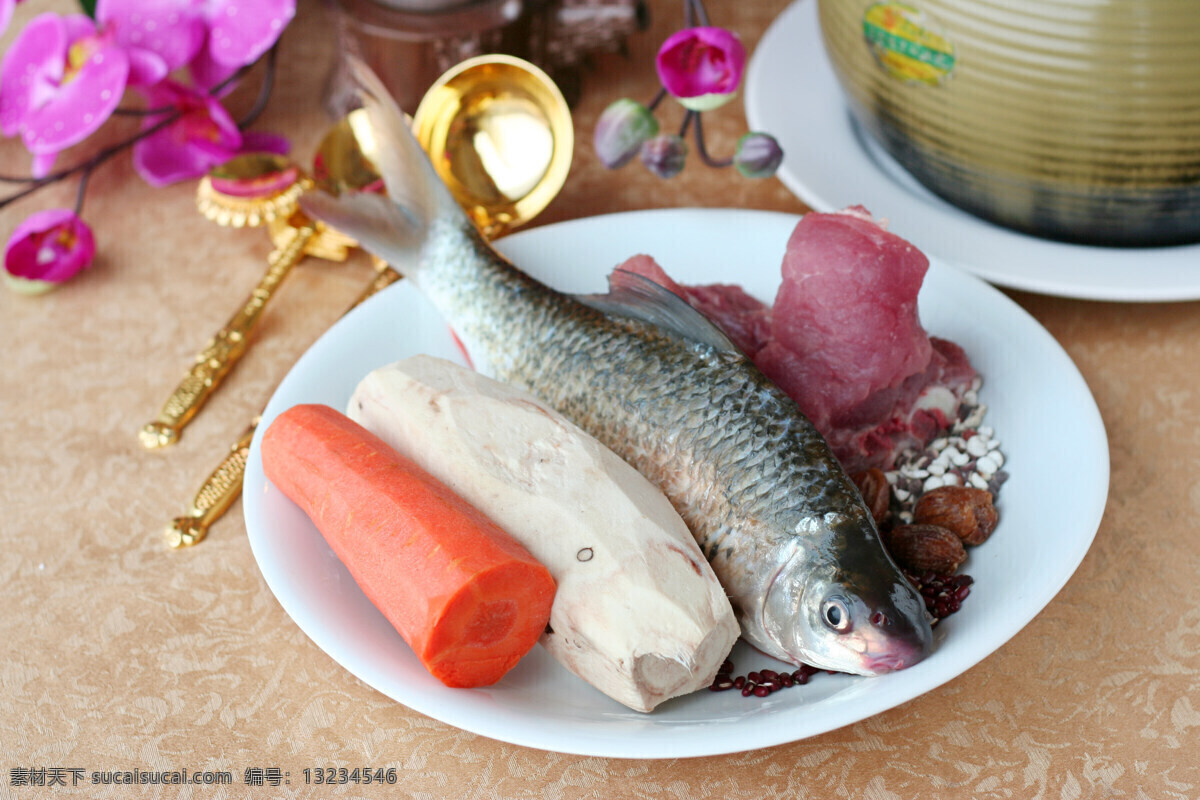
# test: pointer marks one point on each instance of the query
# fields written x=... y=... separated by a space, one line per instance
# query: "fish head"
x=842 y=604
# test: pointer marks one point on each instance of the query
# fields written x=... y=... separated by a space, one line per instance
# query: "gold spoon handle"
x=216 y=495
x=225 y=483
x=226 y=347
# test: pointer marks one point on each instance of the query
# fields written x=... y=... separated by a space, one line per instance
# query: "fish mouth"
x=892 y=661
x=859 y=660
x=892 y=653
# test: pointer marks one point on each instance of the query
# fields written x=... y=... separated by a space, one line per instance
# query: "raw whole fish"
x=782 y=525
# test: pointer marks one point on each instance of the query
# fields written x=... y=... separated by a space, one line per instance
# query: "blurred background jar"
x=1068 y=119
x=409 y=43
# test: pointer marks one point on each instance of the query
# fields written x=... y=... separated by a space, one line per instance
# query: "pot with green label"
x=1068 y=119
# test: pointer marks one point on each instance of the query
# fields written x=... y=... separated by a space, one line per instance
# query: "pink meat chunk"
x=844 y=338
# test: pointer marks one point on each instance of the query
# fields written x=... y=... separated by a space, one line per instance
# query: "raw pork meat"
x=844 y=338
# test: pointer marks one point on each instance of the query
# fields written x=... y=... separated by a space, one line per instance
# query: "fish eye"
x=835 y=614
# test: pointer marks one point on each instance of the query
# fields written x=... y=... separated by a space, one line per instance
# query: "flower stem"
x=687 y=121
x=141 y=112
x=658 y=98
x=700 y=148
x=89 y=164
x=264 y=91
x=696 y=8
x=83 y=182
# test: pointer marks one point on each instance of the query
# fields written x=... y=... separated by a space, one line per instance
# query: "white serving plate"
x=1039 y=405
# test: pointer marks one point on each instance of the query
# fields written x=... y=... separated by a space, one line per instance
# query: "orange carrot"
x=468 y=598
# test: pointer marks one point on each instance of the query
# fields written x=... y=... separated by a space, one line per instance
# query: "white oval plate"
x=830 y=162
x=1040 y=406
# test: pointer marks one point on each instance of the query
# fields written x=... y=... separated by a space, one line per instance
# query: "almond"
x=925 y=548
x=876 y=493
x=965 y=510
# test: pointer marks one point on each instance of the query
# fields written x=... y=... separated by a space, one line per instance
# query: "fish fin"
x=391 y=227
x=636 y=296
x=379 y=225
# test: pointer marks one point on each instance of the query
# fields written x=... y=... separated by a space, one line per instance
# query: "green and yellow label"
x=906 y=44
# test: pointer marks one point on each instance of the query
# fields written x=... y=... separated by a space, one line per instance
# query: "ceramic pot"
x=1069 y=119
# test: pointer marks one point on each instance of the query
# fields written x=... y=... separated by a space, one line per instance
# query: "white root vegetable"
x=638 y=613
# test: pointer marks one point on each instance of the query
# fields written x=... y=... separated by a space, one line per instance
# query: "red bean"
x=763 y=682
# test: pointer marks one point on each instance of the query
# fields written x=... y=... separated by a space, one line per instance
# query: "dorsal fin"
x=636 y=296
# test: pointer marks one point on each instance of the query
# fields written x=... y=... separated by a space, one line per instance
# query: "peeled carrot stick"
x=466 y=596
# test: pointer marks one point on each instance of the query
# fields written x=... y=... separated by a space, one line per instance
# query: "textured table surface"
x=117 y=653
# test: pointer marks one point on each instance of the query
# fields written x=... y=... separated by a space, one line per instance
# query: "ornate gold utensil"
x=248 y=191
x=251 y=190
x=338 y=166
x=215 y=497
x=224 y=484
x=494 y=96
x=499 y=133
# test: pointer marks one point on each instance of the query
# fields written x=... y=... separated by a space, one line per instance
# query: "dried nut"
x=966 y=510
x=876 y=493
x=925 y=548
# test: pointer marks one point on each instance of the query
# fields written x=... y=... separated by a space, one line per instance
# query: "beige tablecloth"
x=117 y=653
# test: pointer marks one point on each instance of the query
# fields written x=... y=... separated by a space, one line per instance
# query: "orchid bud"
x=701 y=67
x=664 y=154
x=47 y=249
x=621 y=130
x=758 y=155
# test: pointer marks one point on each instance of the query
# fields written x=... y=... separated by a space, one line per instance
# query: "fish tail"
x=392 y=226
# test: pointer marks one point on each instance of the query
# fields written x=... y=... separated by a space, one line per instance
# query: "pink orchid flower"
x=59 y=81
x=214 y=38
x=701 y=67
x=239 y=32
x=6 y=12
x=48 y=249
x=203 y=137
x=159 y=37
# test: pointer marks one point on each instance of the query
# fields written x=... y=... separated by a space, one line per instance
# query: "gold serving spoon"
x=487 y=183
x=499 y=133
x=248 y=191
